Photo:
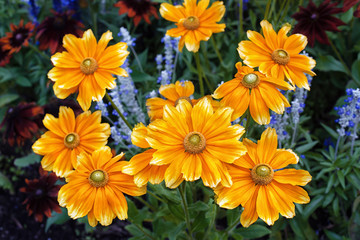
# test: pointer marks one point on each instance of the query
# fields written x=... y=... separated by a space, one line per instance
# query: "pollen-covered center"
x=194 y=142
x=72 y=140
x=185 y=98
x=262 y=174
x=250 y=80
x=88 y=65
x=98 y=178
x=191 y=23
x=280 y=56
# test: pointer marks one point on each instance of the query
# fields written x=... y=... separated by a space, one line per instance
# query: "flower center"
x=250 y=80
x=98 y=178
x=262 y=174
x=191 y=23
x=18 y=36
x=185 y=98
x=280 y=56
x=194 y=142
x=88 y=65
x=72 y=140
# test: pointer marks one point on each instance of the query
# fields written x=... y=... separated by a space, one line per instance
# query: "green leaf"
x=57 y=218
x=198 y=206
x=312 y=206
x=329 y=63
x=330 y=183
x=306 y=147
x=7 y=98
x=332 y=132
x=332 y=235
x=355 y=72
x=254 y=231
x=341 y=177
x=335 y=206
x=27 y=160
x=354 y=180
x=176 y=210
x=138 y=76
x=173 y=235
x=22 y=81
x=5 y=183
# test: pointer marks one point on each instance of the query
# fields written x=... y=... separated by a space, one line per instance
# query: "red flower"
x=51 y=31
x=18 y=37
x=349 y=4
x=137 y=9
x=314 y=21
x=4 y=55
x=22 y=122
x=42 y=195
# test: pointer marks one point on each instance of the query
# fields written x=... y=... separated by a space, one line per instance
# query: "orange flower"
x=18 y=37
x=96 y=188
x=68 y=137
x=139 y=9
x=139 y=165
x=195 y=142
x=194 y=22
x=256 y=92
x=87 y=67
x=277 y=55
x=261 y=185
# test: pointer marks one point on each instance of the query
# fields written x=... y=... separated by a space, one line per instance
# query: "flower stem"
x=216 y=49
x=182 y=191
x=136 y=58
x=339 y=57
x=353 y=139
x=118 y=110
x=267 y=10
x=201 y=83
x=146 y=203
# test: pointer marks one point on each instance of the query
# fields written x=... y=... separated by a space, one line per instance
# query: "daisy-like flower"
x=5 y=55
x=87 y=67
x=139 y=165
x=52 y=30
x=68 y=137
x=95 y=188
x=18 y=37
x=196 y=142
x=42 y=195
x=257 y=92
x=277 y=55
x=194 y=22
x=261 y=185
x=137 y=9
x=314 y=21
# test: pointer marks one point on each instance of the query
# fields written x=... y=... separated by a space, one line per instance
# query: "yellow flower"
x=261 y=185
x=139 y=165
x=194 y=22
x=87 y=67
x=68 y=137
x=95 y=188
x=277 y=55
x=195 y=142
x=256 y=92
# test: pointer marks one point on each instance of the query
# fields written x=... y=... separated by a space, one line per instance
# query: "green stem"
x=146 y=203
x=182 y=190
x=277 y=17
x=230 y=228
x=248 y=119
x=136 y=58
x=339 y=57
x=267 y=10
x=216 y=49
x=38 y=51
x=158 y=198
x=118 y=110
x=241 y=18
x=142 y=230
x=197 y=59
x=208 y=84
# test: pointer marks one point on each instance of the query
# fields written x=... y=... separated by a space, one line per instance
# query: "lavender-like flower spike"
x=170 y=56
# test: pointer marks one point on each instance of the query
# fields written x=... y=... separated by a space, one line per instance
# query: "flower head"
x=257 y=92
x=314 y=21
x=137 y=9
x=18 y=37
x=277 y=55
x=194 y=22
x=195 y=142
x=87 y=67
x=261 y=185
x=95 y=188
x=22 y=122
x=52 y=30
x=5 y=55
x=68 y=137
x=42 y=195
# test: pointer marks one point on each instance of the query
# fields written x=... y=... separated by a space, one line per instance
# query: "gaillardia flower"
x=87 y=67
x=18 y=37
x=137 y=9
x=261 y=185
x=139 y=165
x=52 y=30
x=68 y=137
x=42 y=195
x=95 y=188
x=22 y=122
x=257 y=92
x=277 y=55
x=194 y=22
x=314 y=21
x=196 y=142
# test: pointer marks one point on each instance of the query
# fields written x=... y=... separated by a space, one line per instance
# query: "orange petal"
x=258 y=109
x=282 y=158
x=293 y=177
x=265 y=207
x=267 y=145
